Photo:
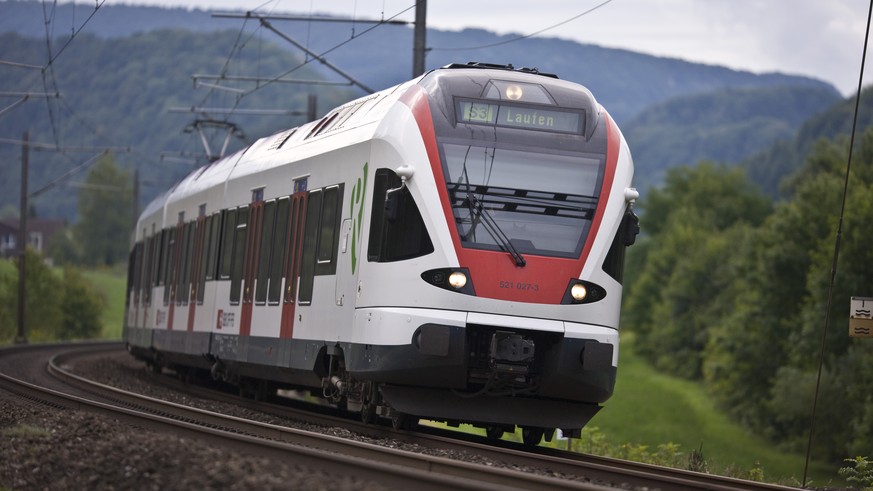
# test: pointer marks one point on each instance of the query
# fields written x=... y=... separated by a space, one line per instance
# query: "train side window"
x=142 y=280
x=238 y=254
x=226 y=257
x=137 y=268
x=264 y=256
x=169 y=273
x=327 y=235
x=154 y=257
x=214 y=234
x=160 y=270
x=310 y=236
x=301 y=184
x=187 y=265
x=397 y=231
x=205 y=249
x=280 y=236
x=133 y=272
x=148 y=257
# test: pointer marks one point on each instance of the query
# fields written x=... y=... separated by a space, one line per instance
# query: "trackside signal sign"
x=861 y=317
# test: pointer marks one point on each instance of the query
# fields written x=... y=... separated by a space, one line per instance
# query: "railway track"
x=389 y=466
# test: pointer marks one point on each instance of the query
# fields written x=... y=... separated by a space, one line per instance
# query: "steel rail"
x=366 y=461
x=595 y=468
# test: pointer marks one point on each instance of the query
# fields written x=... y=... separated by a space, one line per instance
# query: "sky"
x=819 y=38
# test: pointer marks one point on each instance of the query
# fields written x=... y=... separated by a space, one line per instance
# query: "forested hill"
x=623 y=81
x=117 y=93
x=726 y=126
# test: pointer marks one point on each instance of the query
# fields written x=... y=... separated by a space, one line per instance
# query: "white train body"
x=323 y=256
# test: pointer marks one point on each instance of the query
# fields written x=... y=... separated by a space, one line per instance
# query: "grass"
x=25 y=431
x=651 y=408
x=111 y=283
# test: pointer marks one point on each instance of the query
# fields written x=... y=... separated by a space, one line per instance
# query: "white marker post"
x=861 y=317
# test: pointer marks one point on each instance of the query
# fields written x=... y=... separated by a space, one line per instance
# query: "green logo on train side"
x=357 y=203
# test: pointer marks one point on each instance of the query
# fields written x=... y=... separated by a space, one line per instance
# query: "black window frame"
x=239 y=254
x=386 y=224
x=265 y=252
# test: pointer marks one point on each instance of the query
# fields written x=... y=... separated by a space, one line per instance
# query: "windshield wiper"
x=493 y=229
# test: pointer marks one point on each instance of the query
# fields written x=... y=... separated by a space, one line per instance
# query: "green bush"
x=58 y=306
x=860 y=473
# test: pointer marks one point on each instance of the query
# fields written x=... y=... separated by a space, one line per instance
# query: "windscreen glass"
x=541 y=200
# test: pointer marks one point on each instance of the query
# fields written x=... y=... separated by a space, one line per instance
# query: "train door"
x=293 y=252
x=253 y=247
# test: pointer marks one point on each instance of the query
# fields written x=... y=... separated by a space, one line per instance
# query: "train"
x=449 y=249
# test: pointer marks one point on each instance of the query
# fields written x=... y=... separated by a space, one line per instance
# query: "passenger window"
x=278 y=247
x=321 y=239
x=238 y=254
x=264 y=256
x=329 y=225
x=170 y=273
x=226 y=257
x=307 y=262
x=206 y=249
x=214 y=234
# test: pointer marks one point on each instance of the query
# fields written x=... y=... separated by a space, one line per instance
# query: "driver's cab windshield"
x=538 y=200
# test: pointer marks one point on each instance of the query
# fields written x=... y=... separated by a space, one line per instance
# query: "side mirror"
x=630 y=227
x=405 y=172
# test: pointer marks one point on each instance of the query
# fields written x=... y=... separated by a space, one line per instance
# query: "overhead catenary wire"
x=309 y=55
x=525 y=36
x=326 y=52
x=837 y=241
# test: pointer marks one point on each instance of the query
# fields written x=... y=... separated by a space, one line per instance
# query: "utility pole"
x=419 y=38
x=311 y=103
x=135 y=206
x=21 y=337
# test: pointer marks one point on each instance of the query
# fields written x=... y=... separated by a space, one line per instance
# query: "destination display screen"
x=515 y=116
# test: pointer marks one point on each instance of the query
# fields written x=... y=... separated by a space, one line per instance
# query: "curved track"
x=23 y=372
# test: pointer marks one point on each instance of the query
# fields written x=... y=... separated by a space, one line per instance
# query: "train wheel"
x=531 y=435
x=368 y=414
x=403 y=421
x=494 y=432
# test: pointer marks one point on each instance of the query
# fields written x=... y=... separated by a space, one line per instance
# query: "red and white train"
x=450 y=248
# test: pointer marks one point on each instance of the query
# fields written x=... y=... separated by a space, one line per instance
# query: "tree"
x=761 y=362
x=80 y=307
x=57 y=307
x=105 y=210
x=694 y=225
x=42 y=311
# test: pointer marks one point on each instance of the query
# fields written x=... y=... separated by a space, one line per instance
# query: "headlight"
x=458 y=280
x=579 y=292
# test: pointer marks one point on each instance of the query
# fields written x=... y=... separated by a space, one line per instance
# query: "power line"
x=250 y=14
x=519 y=38
x=323 y=53
x=237 y=78
x=837 y=241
